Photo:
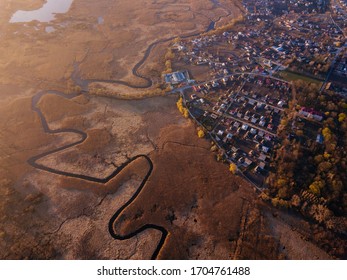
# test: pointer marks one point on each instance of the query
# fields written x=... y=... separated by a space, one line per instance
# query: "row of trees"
x=227 y=27
x=184 y=111
x=169 y=57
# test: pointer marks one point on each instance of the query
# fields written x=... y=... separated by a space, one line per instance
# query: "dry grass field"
x=32 y=56
x=214 y=215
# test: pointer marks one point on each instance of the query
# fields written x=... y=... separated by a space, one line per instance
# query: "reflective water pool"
x=44 y=14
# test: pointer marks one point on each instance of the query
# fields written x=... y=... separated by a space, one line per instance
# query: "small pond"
x=44 y=14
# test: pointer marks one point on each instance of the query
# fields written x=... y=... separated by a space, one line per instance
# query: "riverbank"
x=107 y=51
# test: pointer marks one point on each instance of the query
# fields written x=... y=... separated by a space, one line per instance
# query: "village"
x=238 y=83
x=303 y=42
x=242 y=121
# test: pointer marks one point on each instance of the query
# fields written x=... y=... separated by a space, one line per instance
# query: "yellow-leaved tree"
x=233 y=168
x=201 y=133
x=184 y=111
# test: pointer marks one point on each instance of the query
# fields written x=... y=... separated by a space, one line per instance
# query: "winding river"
x=135 y=71
x=33 y=161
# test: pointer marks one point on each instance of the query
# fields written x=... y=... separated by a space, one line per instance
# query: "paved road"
x=183 y=88
x=332 y=66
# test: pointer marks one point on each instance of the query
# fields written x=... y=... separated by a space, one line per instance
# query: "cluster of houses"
x=242 y=114
x=305 y=42
x=243 y=103
x=201 y=51
x=266 y=7
x=340 y=9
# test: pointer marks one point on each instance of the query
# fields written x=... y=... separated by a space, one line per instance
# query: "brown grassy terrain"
x=56 y=107
x=195 y=230
x=213 y=215
x=61 y=206
x=22 y=136
x=105 y=51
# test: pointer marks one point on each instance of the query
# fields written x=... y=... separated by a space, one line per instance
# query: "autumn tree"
x=326 y=134
x=320 y=213
x=169 y=55
x=342 y=117
x=184 y=111
x=316 y=187
x=232 y=168
x=213 y=148
x=201 y=133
